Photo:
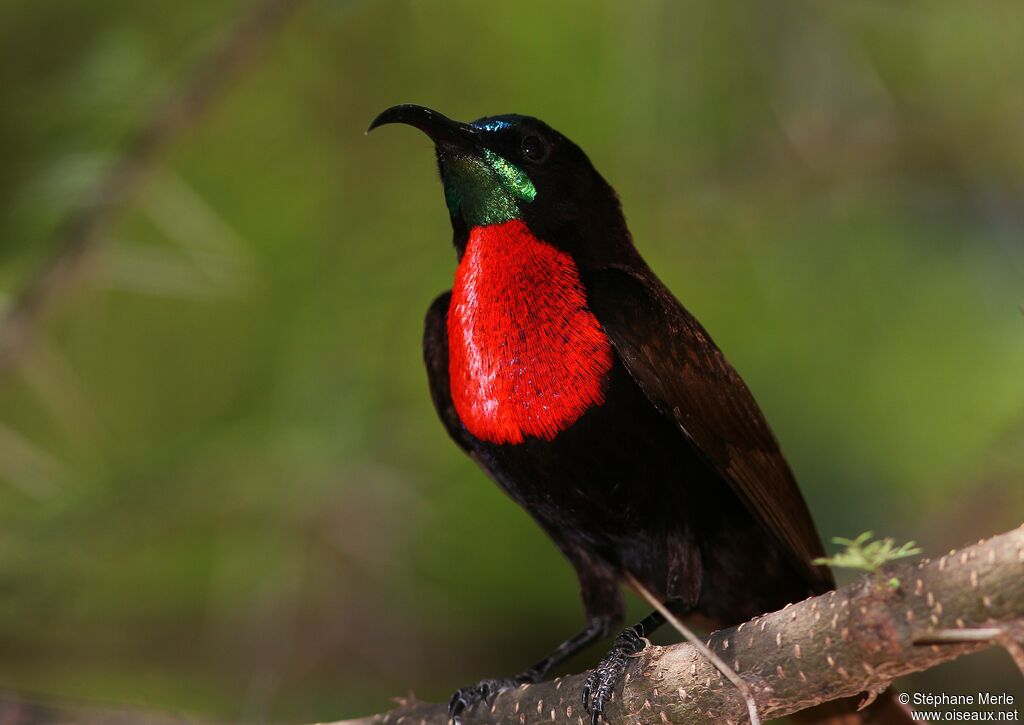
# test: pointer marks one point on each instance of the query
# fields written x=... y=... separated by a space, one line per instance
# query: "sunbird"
x=570 y=373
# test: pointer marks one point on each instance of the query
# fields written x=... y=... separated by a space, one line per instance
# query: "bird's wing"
x=678 y=367
x=435 y=355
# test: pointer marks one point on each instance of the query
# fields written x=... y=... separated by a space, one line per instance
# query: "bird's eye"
x=533 y=148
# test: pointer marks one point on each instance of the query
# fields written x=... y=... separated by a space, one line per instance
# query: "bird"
x=564 y=367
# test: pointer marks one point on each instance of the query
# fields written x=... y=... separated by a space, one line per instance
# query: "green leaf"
x=866 y=555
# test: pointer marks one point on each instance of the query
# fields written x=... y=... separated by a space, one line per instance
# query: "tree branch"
x=904 y=619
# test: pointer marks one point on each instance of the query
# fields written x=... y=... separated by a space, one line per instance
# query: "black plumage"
x=675 y=478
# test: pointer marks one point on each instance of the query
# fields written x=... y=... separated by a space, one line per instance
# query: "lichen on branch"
x=857 y=639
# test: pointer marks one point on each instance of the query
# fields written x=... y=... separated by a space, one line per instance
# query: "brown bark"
x=855 y=640
x=905 y=618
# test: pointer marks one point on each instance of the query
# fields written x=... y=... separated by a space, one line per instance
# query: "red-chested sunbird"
x=563 y=366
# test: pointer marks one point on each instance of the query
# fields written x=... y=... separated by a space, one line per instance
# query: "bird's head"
x=500 y=168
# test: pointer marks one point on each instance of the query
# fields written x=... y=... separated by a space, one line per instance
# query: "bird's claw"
x=483 y=691
x=605 y=678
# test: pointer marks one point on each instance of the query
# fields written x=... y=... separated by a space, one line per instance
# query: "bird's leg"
x=606 y=676
x=596 y=630
x=466 y=697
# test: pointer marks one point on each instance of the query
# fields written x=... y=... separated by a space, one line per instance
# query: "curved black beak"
x=441 y=129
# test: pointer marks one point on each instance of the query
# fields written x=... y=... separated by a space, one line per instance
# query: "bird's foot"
x=483 y=691
x=605 y=678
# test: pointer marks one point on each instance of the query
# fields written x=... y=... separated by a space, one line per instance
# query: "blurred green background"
x=223 y=489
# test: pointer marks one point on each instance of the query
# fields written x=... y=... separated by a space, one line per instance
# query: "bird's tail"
x=885 y=710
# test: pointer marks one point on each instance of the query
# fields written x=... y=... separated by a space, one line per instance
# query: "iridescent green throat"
x=485 y=189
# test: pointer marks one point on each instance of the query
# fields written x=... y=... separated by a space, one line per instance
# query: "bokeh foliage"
x=222 y=486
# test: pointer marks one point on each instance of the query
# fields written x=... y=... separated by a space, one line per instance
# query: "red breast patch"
x=526 y=355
